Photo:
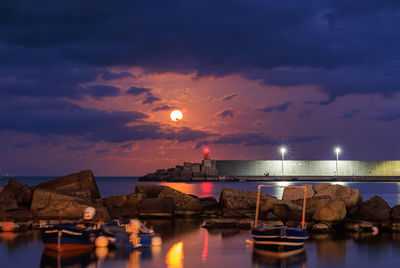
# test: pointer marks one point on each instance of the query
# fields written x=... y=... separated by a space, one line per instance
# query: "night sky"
x=91 y=84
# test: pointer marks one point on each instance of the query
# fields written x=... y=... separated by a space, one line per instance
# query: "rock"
x=77 y=181
x=375 y=209
x=1 y=189
x=16 y=215
x=208 y=202
x=123 y=212
x=21 y=193
x=157 y=207
x=351 y=197
x=359 y=226
x=395 y=227
x=123 y=200
x=7 y=201
x=230 y=213
x=185 y=204
x=320 y=228
x=281 y=211
x=242 y=200
x=227 y=223
x=395 y=213
x=149 y=190
x=123 y=206
x=291 y=194
x=48 y=204
x=333 y=211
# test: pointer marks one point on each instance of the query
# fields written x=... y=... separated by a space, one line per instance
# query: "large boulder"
x=70 y=183
x=16 y=215
x=374 y=209
x=51 y=204
x=7 y=201
x=123 y=206
x=351 y=197
x=208 y=202
x=333 y=211
x=242 y=200
x=291 y=194
x=149 y=190
x=21 y=193
x=185 y=204
x=395 y=213
x=157 y=207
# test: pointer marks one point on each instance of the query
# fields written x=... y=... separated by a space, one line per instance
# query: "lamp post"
x=337 y=151
x=283 y=151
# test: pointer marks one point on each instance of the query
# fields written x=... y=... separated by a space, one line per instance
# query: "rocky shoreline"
x=329 y=208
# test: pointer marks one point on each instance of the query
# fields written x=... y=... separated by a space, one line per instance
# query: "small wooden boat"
x=279 y=241
x=70 y=236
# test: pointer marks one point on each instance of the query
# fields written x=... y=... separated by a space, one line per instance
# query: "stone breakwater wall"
x=307 y=168
x=329 y=207
x=187 y=172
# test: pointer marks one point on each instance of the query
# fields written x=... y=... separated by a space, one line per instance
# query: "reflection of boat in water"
x=279 y=241
x=262 y=257
x=130 y=235
x=76 y=258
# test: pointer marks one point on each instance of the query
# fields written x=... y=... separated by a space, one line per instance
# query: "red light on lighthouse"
x=206 y=152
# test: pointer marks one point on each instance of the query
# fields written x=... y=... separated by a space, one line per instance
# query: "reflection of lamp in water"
x=204 y=254
x=134 y=259
x=175 y=255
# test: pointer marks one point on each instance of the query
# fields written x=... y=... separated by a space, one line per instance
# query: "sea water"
x=187 y=244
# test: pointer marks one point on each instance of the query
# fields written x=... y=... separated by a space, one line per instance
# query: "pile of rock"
x=328 y=207
x=188 y=172
x=61 y=198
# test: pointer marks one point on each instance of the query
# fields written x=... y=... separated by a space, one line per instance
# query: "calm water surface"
x=186 y=244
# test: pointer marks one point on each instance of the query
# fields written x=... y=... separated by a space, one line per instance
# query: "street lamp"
x=337 y=151
x=283 y=151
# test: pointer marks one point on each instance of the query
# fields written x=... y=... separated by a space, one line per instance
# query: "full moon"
x=176 y=115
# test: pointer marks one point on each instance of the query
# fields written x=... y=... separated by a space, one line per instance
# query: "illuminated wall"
x=306 y=168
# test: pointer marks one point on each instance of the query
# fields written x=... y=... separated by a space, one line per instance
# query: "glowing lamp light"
x=283 y=150
x=176 y=115
x=338 y=150
x=206 y=152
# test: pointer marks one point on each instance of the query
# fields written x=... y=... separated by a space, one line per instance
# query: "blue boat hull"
x=279 y=239
x=65 y=237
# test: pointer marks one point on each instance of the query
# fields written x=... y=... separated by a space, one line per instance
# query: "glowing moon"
x=176 y=115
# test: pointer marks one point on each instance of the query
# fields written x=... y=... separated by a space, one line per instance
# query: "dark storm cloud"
x=59 y=118
x=256 y=139
x=345 y=47
x=305 y=113
x=163 y=108
x=276 y=108
x=112 y=76
x=101 y=91
x=136 y=91
x=388 y=115
x=351 y=114
x=226 y=113
x=150 y=98
x=230 y=96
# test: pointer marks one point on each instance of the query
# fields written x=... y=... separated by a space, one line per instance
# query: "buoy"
x=156 y=241
x=101 y=242
x=8 y=226
x=249 y=242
